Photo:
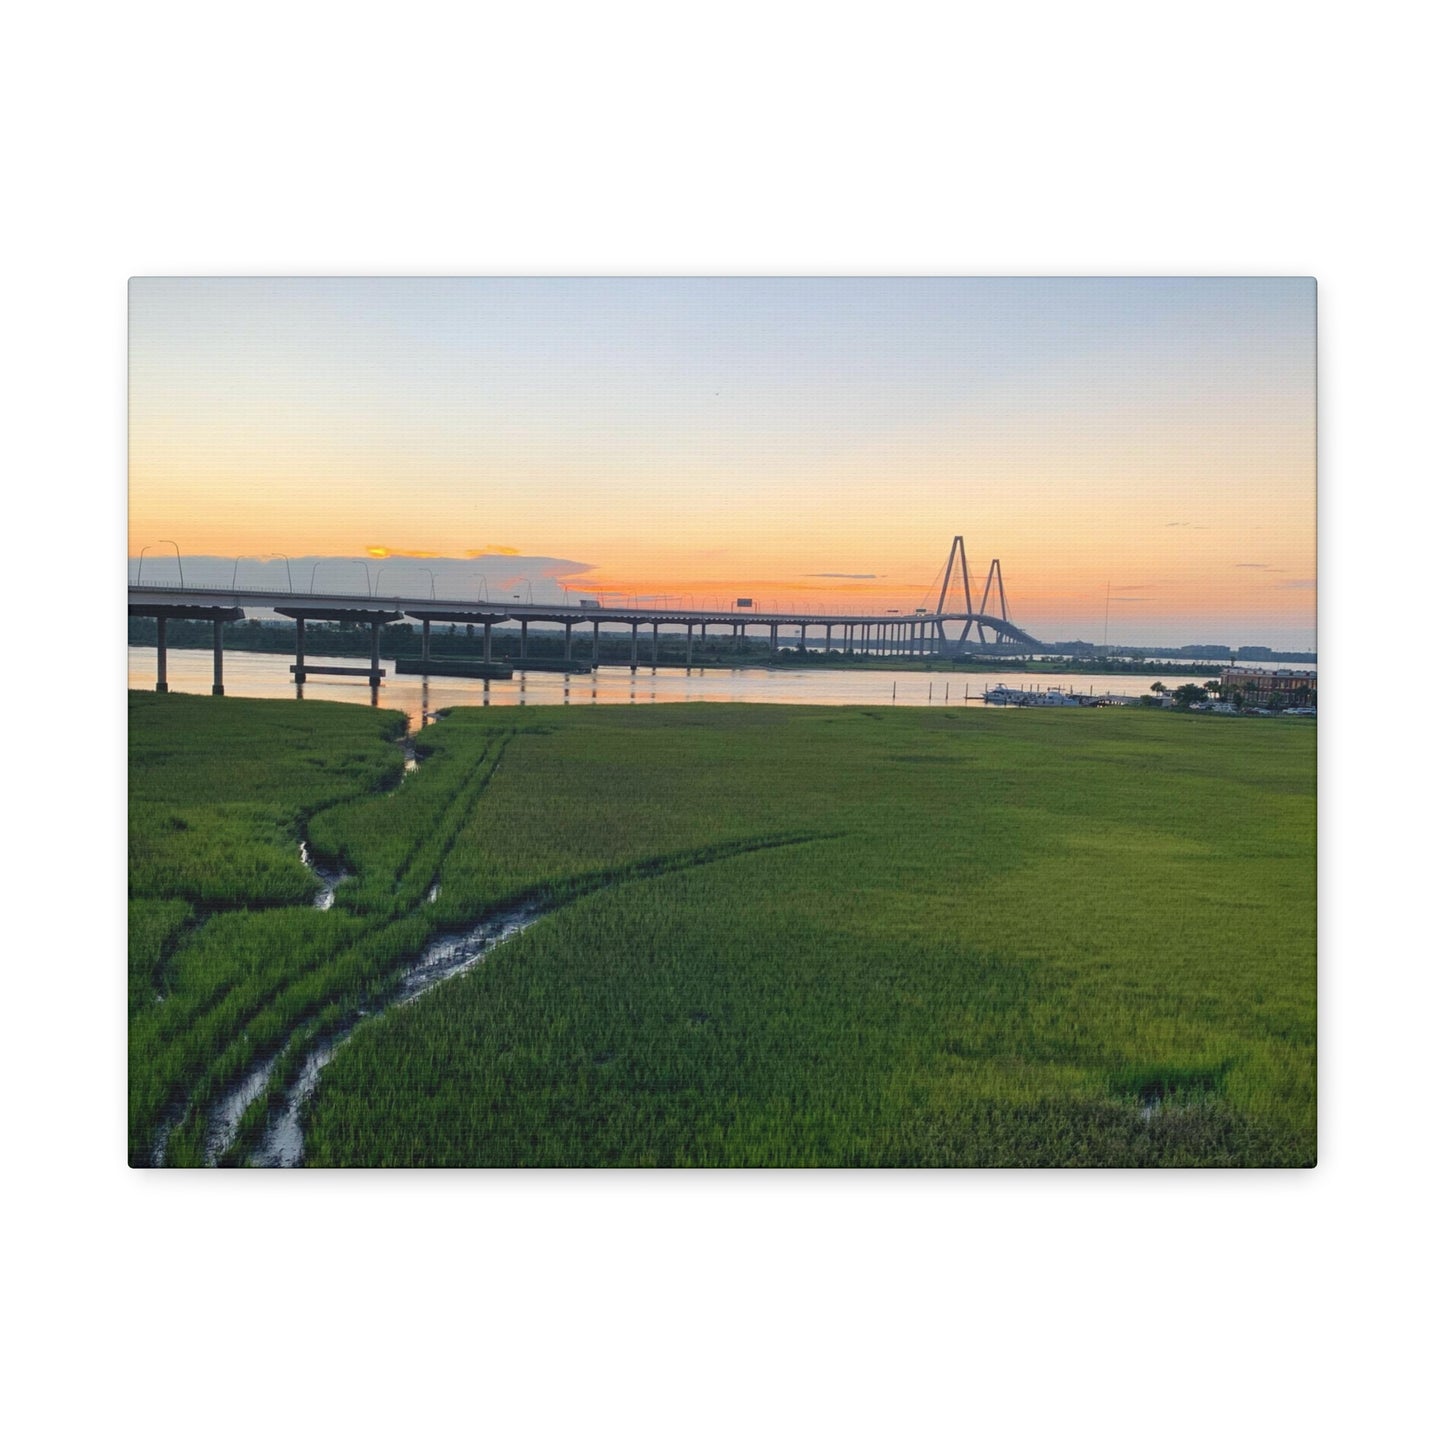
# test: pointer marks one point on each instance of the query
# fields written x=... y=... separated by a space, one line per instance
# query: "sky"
x=1137 y=453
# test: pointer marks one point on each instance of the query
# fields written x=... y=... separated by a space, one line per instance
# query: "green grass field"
x=782 y=935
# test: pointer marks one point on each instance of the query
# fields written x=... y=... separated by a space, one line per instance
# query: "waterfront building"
x=1267 y=687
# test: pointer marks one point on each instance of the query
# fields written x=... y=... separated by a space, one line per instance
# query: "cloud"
x=1297 y=584
x=380 y=551
x=1196 y=526
x=493 y=552
x=1118 y=600
x=853 y=576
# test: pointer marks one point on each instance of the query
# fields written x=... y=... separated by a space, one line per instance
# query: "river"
x=265 y=674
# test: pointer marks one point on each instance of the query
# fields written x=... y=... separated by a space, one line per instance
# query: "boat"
x=1018 y=697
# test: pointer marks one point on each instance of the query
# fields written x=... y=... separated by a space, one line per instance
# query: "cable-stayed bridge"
x=943 y=628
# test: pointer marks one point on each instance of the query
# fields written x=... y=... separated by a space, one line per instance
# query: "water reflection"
x=265 y=674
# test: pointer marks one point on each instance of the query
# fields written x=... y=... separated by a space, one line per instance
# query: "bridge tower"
x=995 y=581
x=955 y=550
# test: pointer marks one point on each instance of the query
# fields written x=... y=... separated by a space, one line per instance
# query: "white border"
x=1051 y=140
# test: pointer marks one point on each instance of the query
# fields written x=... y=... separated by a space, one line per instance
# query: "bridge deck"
x=341 y=606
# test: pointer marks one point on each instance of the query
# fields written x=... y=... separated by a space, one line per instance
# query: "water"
x=265 y=674
x=284 y=1144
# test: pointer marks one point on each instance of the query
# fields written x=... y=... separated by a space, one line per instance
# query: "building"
x=1265 y=687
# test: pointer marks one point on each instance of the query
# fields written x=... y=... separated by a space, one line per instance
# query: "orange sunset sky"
x=1148 y=441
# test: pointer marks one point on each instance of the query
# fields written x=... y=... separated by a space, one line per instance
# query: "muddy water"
x=225 y=1118
x=330 y=878
x=284 y=1146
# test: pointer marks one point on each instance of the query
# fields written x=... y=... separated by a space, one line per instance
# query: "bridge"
x=891 y=633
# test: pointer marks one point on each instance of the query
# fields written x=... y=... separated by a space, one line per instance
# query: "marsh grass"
x=994 y=938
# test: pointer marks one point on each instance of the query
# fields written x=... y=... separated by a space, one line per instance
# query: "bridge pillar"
x=217 y=689
x=828 y=637
x=689 y=644
x=300 y=650
x=161 y=684
x=773 y=637
x=567 y=649
x=596 y=632
x=486 y=642
x=375 y=654
x=523 y=656
x=426 y=639
x=634 y=647
x=654 y=644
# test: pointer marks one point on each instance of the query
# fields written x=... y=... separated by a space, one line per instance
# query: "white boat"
x=1018 y=697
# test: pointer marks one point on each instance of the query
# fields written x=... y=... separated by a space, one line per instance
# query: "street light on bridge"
x=141 y=560
x=262 y=557
x=357 y=561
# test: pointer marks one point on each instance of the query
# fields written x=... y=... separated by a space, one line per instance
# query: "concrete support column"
x=803 y=637
x=596 y=636
x=217 y=689
x=161 y=684
x=426 y=639
x=828 y=637
x=689 y=644
x=375 y=653
x=654 y=644
x=300 y=649
x=634 y=647
x=773 y=636
x=567 y=646
x=486 y=641
x=524 y=640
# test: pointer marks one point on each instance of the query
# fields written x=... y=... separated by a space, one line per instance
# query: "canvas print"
x=706 y=722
